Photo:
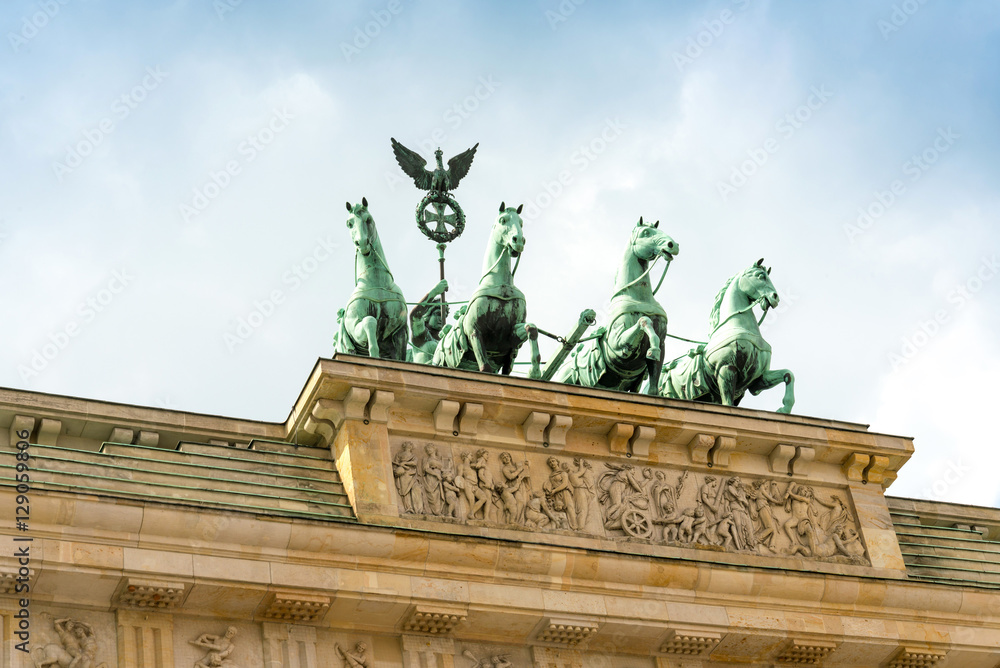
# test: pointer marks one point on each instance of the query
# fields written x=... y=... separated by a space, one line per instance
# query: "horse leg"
x=366 y=333
x=726 y=377
x=769 y=379
x=630 y=339
x=654 y=356
x=476 y=343
x=536 y=357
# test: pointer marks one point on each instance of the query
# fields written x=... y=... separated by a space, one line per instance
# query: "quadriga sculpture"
x=492 y=327
x=736 y=357
x=631 y=348
x=374 y=321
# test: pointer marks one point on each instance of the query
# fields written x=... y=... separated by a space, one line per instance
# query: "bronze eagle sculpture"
x=441 y=179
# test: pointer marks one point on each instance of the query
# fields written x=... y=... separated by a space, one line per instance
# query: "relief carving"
x=495 y=661
x=680 y=508
x=356 y=659
x=77 y=647
x=219 y=648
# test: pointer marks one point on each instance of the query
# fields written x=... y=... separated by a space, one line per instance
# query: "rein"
x=643 y=275
x=760 y=300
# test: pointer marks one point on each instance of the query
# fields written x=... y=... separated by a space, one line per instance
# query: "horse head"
x=507 y=229
x=649 y=242
x=756 y=284
x=361 y=224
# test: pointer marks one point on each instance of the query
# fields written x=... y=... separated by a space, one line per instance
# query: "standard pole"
x=441 y=248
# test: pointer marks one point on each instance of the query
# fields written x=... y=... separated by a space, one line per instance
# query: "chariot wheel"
x=637 y=524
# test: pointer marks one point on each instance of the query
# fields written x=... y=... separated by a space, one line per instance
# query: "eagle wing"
x=458 y=166
x=414 y=166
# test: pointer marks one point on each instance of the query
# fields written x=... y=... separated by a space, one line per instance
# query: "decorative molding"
x=295 y=607
x=719 y=454
x=875 y=472
x=435 y=620
x=428 y=652
x=804 y=457
x=468 y=418
x=121 y=435
x=534 y=427
x=909 y=657
x=638 y=445
x=149 y=594
x=378 y=406
x=690 y=642
x=21 y=423
x=145 y=639
x=286 y=642
x=444 y=416
x=149 y=439
x=556 y=657
x=568 y=632
x=854 y=466
x=48 y=432
x=555 y=433
x=9 y=581
x=805 y=652
x=699 y=446
x=780 y=459
x=618 y=437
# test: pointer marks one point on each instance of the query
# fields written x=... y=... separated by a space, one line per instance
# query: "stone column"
x=145 y=639
x=428 y=652
x=297 y=642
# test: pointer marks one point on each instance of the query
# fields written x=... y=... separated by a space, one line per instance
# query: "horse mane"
x=713 y=319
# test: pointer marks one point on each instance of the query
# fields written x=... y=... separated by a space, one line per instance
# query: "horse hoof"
x=653 y=354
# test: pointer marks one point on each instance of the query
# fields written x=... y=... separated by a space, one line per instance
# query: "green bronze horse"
x=736 y=357
x=492 y=328
x=631 y=347
x=374 y=321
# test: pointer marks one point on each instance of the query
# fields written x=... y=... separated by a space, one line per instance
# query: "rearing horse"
x=492 y=327
x=736 y=357
x=632 y=346
x=374 y=321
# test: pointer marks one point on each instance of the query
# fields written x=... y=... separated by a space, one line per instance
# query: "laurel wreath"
x=435 y=196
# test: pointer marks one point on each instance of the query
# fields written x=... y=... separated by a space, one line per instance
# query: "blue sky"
x=853 y=145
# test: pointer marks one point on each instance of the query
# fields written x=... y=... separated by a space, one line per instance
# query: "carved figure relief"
x=77 y=647
x=356 y=659
x=488 y=661
x=219 y=649
x=533 y=491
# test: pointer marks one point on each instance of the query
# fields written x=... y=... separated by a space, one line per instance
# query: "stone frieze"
x=625 y=501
